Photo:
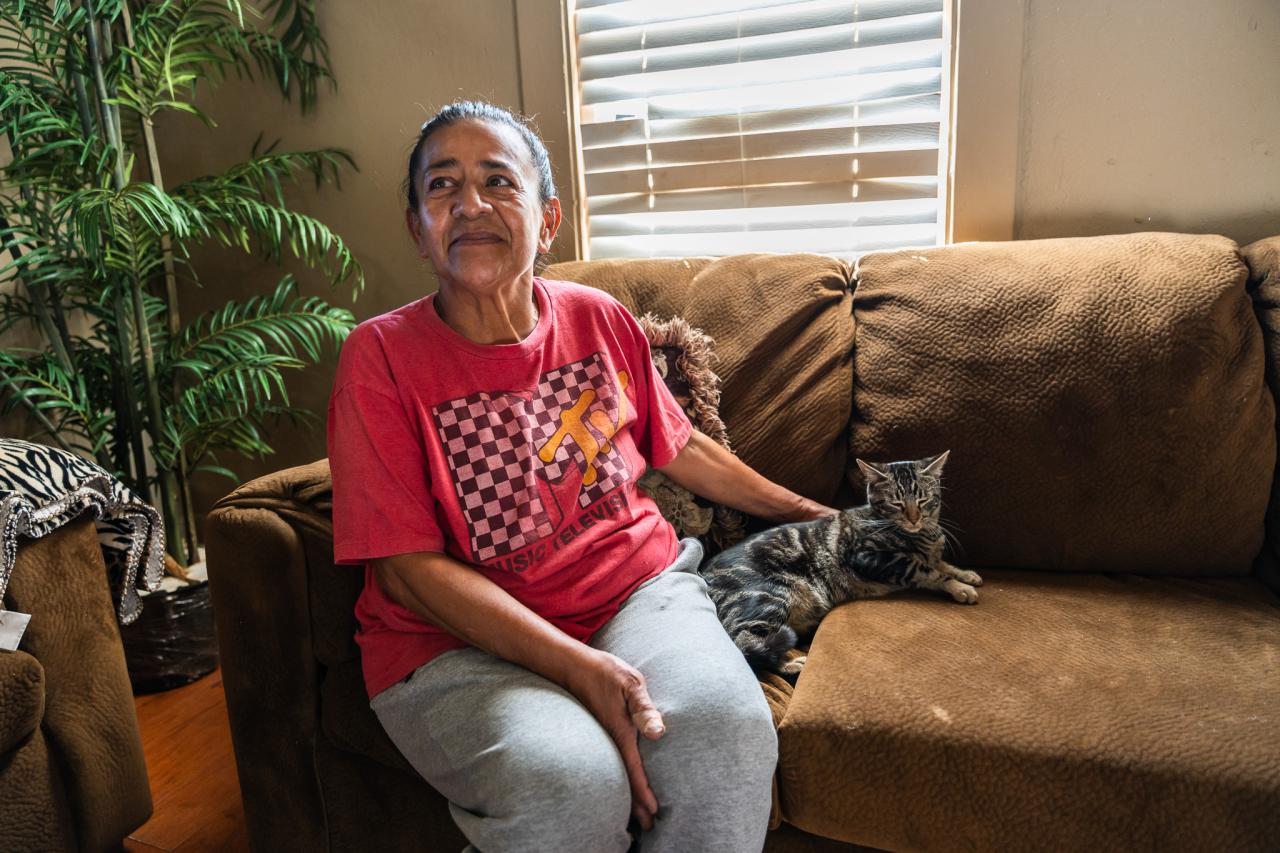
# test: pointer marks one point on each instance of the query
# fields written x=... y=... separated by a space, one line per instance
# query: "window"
x=719 y=127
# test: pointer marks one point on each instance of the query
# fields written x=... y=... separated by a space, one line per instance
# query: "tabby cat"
x=777 y=585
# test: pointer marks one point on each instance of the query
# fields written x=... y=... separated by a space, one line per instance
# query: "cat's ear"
x=933 y=465
x=872 y=473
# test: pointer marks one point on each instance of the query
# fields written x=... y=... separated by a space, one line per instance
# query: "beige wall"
x=395 y=61
x=1130 y=116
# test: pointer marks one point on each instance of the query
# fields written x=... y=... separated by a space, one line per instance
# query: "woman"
x=526 y=611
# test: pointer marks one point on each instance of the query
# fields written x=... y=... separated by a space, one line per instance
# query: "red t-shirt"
x=519 y=459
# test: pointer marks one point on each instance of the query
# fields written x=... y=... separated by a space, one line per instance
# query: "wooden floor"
x=187 y=743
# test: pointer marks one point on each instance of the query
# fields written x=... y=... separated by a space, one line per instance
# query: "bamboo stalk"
x=130 y=408
x=82 y=94
x=157 y=178
x=109 y=125
x=124 y=463
x=108 y=52
x=172 y=315
x=174 y=521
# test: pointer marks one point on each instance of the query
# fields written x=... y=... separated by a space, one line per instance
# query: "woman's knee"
x=726 y=714
x=566 y=791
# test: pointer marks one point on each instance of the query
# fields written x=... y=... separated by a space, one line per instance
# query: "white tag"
x=12 y=626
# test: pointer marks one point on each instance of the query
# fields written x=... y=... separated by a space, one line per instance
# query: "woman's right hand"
x=616 y=695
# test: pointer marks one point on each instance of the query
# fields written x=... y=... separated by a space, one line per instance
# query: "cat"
x=774 y=587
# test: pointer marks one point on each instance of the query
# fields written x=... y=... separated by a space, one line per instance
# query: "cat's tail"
x=764 y=646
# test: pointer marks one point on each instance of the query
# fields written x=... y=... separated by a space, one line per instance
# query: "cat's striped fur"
x=777 y=585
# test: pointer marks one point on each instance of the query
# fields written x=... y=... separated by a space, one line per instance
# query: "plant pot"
x=172 y=643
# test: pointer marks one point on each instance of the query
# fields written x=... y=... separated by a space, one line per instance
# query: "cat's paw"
x=962 y=592
x=966 y=576
x=793 y=667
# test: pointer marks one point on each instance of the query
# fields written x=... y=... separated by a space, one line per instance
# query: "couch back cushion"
x=783 y=334
x=1103 y=398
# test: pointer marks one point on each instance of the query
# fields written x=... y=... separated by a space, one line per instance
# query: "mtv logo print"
x=495 y=441
x=485 y=437
x=576 y=410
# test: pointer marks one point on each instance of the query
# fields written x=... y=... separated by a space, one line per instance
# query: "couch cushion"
x=783 y=337
x=1062 y=712
x=21 y=697
x=1103 y=397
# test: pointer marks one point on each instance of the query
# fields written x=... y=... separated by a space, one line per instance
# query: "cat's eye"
x=897 y=504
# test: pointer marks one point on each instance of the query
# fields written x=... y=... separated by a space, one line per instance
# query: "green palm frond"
x=37 y=381
x=236 y=208
x=46 y=139
x=298 y=56
x=176 y=44
x=180 y=42
x=31 y=37
x=101 y=213
x=282 y=322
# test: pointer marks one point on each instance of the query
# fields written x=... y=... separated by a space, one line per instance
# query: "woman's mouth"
x=475 y=238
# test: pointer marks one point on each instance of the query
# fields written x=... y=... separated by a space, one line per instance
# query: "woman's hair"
x=482 y=111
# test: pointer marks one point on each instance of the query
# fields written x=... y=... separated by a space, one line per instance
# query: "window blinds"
x=711 y=127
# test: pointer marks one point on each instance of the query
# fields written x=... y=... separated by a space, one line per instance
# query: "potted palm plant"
x=96 y=245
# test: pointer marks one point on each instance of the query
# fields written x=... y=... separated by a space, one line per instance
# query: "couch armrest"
x=89 y=719
x=21 y=698
x=258 y=582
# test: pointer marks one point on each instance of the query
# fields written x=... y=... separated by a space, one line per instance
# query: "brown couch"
x=1113 y=454
x=72 y=775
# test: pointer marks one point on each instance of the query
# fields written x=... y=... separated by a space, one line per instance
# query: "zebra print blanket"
x=43 y=488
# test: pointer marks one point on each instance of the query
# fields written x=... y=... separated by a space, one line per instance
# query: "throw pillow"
x=682 y=356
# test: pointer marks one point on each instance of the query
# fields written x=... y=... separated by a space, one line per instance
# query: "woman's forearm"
x=707 y=469
x=457 y=598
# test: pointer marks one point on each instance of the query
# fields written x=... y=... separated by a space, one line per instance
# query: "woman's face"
x=479 y=219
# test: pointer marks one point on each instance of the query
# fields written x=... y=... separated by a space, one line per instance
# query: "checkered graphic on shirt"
x=491 y=441
x=560 y=389
x=486 y=439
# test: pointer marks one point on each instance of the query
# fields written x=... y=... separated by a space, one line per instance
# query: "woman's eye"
x=437 y=183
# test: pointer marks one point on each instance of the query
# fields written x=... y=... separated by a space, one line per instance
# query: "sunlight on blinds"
x=725 y=126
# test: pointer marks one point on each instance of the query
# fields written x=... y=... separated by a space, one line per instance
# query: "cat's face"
x=906 y=493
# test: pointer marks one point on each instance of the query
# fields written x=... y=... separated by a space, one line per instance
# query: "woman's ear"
x=414 y=225
x=551 y=218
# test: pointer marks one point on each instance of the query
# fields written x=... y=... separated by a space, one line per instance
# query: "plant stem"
x=82 y=94
x=174 y=521
x=157 y=178
x=109 y=125
x=171 y=296
x=130 y=408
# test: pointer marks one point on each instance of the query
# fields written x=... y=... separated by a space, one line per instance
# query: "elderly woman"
x=527 y=614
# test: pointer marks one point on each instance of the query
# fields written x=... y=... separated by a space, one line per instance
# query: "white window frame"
x=982 y=122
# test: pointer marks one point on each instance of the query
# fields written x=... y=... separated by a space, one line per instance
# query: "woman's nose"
x=469 y=203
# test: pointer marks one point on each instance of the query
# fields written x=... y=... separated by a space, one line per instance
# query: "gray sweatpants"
x=527 y=768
